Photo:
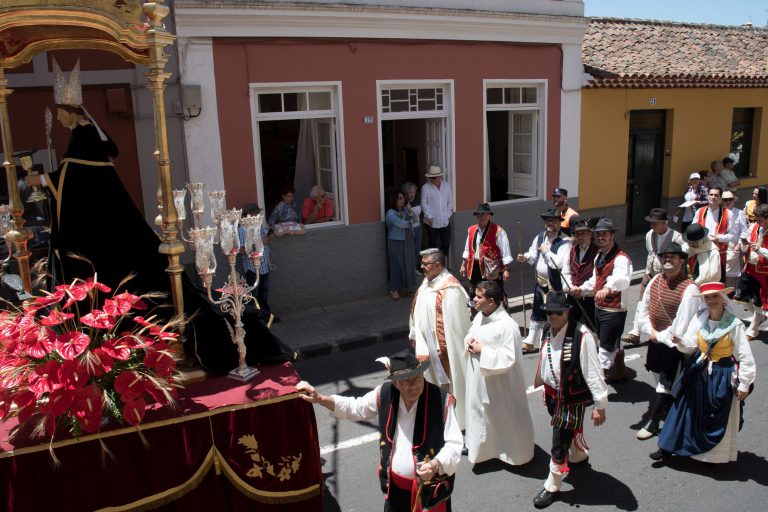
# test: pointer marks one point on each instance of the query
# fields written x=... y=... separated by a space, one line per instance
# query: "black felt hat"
x=579 y=224
x=483 y=208
x=605 y=224
x=695 y=232
x=552 y=214
x=403 y=365
x=657 y=214
x=672 y=248
x=556 y=301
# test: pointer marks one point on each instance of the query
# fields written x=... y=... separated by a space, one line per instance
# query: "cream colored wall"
x=699 y=134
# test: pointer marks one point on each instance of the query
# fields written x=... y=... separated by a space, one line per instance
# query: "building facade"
x=364 y=96
x=663 y=100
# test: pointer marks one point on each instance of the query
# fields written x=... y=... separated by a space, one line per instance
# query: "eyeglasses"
x=555 y=313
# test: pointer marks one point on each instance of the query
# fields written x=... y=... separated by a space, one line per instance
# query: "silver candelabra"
x=236 y=293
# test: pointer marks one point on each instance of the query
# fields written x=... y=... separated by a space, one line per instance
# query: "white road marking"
x=374 y=436
x=349 y=443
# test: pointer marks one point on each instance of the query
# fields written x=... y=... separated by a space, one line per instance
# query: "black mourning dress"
x=94 y=217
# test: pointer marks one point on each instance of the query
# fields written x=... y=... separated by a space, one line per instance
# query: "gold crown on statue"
x=67 y=91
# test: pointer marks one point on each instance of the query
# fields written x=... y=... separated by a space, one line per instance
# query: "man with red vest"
x=420 y=437
x=581 y=263
x=756 y=270
x=486 y=251
x=610 y=282
x=670 y=302
x=720 y=223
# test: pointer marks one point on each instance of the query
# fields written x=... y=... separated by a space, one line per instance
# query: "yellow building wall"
x=698 y=131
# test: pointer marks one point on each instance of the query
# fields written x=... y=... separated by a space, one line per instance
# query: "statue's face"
x=66 y=118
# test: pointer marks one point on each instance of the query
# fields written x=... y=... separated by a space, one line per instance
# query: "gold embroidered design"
x=287 y=467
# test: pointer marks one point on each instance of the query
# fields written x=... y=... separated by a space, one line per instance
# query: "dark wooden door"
x=645 y=167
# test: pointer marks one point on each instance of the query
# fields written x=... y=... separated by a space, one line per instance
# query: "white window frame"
x=541 y=149
x=336 y=112
x=446 y=113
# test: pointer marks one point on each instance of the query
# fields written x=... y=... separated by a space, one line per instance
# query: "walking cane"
x=522 y=286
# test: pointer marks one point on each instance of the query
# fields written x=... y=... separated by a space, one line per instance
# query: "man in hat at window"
x=549 y=250
x=437 y=206
x=486 y=251
x=560 y=202
x=420 y=438
x=703 y=257
x=570 y=372
x=667 y=307
x=438 y=322
x=610 y=282
x=660 y=235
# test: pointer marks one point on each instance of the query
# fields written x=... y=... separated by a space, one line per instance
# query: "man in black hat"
x=660 y=235
x=560 y=202
x=572 y=378
x=549 y=250
x=486 y=251
x=703 y=256
x=610 y=283
x=417 y=423
x=581 y=264
x=667 y=307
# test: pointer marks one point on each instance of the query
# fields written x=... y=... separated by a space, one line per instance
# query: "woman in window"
x=400 y=252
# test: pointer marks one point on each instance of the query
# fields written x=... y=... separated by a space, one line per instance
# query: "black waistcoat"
x=573 y=385
x=428 y=437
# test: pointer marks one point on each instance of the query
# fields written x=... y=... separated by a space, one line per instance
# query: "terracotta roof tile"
x=631 y=52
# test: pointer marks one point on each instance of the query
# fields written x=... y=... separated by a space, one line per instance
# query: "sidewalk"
x=348 y=326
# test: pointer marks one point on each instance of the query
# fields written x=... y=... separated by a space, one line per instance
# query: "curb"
x=326 y=348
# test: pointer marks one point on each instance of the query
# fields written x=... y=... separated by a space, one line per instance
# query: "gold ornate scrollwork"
x=287 y=467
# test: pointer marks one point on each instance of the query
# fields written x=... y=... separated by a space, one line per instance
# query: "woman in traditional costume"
x=704 y=419
x=95 y=220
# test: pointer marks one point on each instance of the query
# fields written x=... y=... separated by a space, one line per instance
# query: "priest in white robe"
x=499 y=423
x=438 y=323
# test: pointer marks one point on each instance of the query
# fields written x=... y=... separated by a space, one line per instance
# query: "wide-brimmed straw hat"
x=434 y=171
x=713 y=288
x=403 y=365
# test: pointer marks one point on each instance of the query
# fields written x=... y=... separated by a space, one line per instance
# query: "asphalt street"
x=619 y=475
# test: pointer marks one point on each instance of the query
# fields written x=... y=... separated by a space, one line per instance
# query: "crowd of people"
x=464 y=372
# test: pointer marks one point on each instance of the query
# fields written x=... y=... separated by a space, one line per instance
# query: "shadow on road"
x=592 y=487
x=749 y=466
x=536 y=468
x=329 y=501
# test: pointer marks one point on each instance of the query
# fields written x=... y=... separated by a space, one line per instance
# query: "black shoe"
x=660 y=455
x=464 y=451
x=544 y=499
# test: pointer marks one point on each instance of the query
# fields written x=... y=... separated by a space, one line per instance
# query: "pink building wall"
x=358 y=65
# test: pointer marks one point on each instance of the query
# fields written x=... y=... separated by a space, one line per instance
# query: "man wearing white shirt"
x=719 y=222
x=669 y=304
x=486 y=251
x=729 y=175
x=733 y=256
x=610 y=282
x=437 y=205
x=408 y=409
x=549 y=254
x=569 y=370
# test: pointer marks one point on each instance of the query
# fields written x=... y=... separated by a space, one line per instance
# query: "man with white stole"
x=438 y=323
x=572 y=377
x=670 y=302
x=498 y=420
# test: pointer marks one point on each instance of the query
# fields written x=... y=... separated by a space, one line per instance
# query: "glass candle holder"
x=196 y=194
x=179 y=197
x=217 y=199
x=228 y=225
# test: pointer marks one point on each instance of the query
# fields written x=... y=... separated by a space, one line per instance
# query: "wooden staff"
x=522 y=285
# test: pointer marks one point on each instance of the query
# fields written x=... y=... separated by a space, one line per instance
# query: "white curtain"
x=305 y=175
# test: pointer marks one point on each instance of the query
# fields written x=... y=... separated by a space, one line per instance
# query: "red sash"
x=407 y=484
x=761 y=266
x=721 y=228
x=488 y=246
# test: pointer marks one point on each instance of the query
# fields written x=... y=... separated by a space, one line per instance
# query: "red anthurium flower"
x=71 y=344
x=98 y=319
x=55 y=317
x=58 y=402
x=90 y=423
x=45 y=378
x=25 y=401
x=74 y=375
x=130 y=340
x=50 y=298
x=156 y=394
x=143 y=321
x=91 y=284
x=117 y=348
x=134 y=301
x=129 y=385
x=161 y=361
x=77 y=291
x=134 y=411
x=40 y=342
x=116 y=307
x=87 y=407
x=103 y=362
